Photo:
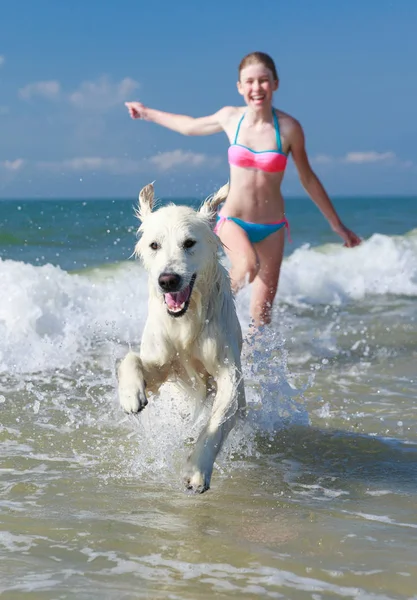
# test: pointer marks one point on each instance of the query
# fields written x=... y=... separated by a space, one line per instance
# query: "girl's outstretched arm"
x=181 y=123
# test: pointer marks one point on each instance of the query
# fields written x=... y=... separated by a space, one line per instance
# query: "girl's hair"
x=256 y=58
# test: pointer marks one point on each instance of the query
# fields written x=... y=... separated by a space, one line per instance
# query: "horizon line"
x=126 y=198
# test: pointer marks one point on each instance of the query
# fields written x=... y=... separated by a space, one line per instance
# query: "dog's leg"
x=134 y=377
x=229 y=398
x=132 y=394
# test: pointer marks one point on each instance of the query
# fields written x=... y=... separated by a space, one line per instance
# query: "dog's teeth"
x=178 y=308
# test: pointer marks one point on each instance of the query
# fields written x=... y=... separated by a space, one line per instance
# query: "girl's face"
x=257 y=85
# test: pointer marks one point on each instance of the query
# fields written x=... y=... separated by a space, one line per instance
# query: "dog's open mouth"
x=178 y=302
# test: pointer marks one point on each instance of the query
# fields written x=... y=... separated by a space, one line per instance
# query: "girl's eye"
x=154 y=245
x=189 y=244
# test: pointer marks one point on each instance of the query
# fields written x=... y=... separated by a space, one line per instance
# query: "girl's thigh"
x=238 y=248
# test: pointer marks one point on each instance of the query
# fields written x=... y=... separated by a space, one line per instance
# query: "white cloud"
x=99 y=95
x=12 y=165
x=118 y=166
x=83 y=164
x=322 y=159
x=102 y=93
x=359 y=158
x=2 y=60
x=166 y=161
x=47 y=89
x=369 y=157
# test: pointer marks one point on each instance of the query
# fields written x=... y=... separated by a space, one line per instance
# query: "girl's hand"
x=136 y=110
x=351 y=239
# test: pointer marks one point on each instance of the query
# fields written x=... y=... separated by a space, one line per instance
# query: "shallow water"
x=314 y=495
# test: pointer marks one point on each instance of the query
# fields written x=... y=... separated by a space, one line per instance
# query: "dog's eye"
x=154 y=245
x=189 y=244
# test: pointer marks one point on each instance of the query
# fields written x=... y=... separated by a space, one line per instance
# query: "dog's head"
x=178 y=248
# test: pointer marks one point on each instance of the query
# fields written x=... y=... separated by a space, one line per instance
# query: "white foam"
x=379 y=518
x=17 y=543
x=333 y=274
x=50 y=318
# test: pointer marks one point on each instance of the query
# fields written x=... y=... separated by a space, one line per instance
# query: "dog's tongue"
x=176 y=299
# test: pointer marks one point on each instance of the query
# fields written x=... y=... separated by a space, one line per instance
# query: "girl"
x=252 y=221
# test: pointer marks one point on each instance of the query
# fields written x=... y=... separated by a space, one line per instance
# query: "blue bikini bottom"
x=256 y=232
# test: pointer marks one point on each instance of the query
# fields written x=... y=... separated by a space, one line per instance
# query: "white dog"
x=192 y=333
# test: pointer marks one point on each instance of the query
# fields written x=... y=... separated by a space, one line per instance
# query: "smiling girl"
x=252 y=221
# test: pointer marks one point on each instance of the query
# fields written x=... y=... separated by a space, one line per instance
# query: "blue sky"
x=347 y=72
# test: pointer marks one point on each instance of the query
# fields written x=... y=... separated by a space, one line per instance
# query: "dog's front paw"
x=132 y=398
x=196 y=482
x=132 y=395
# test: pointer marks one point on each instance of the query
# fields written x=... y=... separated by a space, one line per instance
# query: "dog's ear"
x=210 y=204
x=146 y=197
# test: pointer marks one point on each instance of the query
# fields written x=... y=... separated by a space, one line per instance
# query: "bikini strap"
x=287 y=227
x=238 y=127
x=277 y=133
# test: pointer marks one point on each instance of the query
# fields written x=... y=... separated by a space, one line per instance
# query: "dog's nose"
x=170 y=282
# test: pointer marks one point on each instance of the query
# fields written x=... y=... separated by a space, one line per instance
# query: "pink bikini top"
x=270 y=161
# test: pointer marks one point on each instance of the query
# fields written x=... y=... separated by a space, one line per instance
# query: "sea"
x=314 y=495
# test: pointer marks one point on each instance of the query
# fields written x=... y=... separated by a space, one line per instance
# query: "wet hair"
x=259 y=57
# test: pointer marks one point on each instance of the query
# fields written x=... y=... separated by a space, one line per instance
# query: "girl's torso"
x=257 y=157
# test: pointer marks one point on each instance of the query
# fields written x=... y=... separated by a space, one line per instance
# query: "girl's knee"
x=251 y=267
x=246 y=269
x=252 y=271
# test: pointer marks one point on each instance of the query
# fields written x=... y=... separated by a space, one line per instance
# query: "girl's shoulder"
x=230 y=113
x=284 y=116
x=287 y=122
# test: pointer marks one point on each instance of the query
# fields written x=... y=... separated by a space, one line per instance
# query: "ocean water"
x=314 y=496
